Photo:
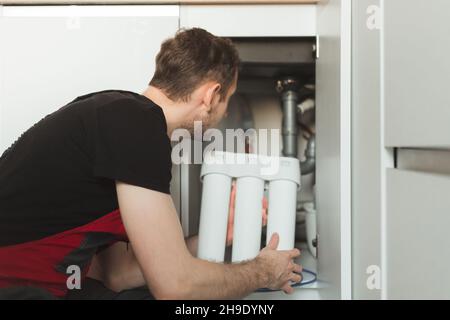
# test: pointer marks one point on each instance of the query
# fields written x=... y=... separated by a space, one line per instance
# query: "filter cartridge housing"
x=252 y=173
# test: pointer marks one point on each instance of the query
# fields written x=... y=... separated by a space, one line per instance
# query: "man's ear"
x=212 y=95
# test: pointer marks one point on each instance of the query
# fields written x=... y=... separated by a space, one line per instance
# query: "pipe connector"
x=309 y=165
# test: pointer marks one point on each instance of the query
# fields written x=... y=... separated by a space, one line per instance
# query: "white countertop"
x=197 y=2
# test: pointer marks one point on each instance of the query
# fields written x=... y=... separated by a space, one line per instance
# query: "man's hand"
x=230 y=227
x=278 y=267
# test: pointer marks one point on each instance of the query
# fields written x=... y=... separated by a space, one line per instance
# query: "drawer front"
x=417 y=73
x=418 y=235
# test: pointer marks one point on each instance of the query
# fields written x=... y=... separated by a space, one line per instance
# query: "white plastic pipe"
x=306 y=105
x=214 y=217
x=247 y=218
x=282 y=212
x=311 y=229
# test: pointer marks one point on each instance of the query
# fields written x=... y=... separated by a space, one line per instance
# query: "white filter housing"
x=252 y=174
x=247 y=218
x=282 y=213
x=213 y=226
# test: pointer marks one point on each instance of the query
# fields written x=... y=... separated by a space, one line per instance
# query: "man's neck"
x=159 y=98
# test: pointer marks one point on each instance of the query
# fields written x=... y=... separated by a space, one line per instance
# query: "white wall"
x=50 y=55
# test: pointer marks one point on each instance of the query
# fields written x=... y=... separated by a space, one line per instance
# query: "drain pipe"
x=288 y=89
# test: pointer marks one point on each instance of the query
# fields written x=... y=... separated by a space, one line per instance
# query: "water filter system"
x=254 y=174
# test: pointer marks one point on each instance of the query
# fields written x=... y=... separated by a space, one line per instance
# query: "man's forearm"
x=222 y=281
x=210 y=280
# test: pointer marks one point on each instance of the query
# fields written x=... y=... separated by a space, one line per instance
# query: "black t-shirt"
x=60 y=174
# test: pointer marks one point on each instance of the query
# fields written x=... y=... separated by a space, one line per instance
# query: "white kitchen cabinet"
x=49 y=55
x=330 y=23
x=415 y=72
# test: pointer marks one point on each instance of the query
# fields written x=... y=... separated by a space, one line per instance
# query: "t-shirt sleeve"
x=132 y=146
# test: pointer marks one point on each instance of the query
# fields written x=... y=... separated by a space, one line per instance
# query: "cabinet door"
x=418 y=220
x=366 y=139
x=417 y=73
x=251 y=20
x=51 y=54
x=333 y=127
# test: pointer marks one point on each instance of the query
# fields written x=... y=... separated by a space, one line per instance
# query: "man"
x=95 y=175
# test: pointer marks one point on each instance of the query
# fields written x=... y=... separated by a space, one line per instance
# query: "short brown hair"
x=191 y=58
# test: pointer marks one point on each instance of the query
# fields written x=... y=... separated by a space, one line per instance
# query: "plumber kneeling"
x=85 y=205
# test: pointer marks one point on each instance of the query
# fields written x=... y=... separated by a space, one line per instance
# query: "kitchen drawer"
x=418 y=235
x=417 y=73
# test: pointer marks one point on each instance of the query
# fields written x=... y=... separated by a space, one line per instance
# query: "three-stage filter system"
x=253 y=175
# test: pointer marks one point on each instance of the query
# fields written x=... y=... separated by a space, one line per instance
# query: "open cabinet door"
x=333 y=126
